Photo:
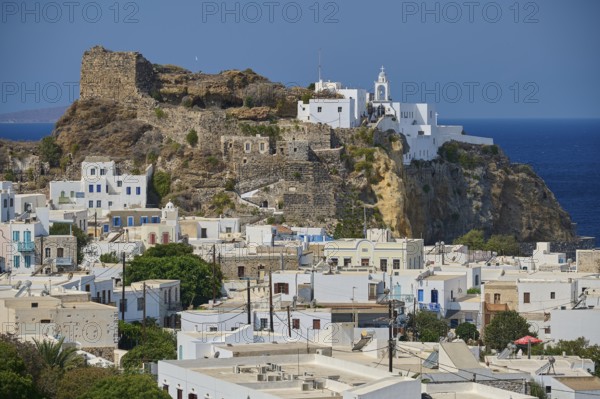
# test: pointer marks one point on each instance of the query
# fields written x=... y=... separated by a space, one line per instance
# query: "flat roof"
x=270 y=348
x=580 y=383
x=443 y=277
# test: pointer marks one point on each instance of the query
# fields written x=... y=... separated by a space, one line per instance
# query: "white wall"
x=570 y=324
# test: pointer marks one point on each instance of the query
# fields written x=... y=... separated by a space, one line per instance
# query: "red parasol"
x=528 y=339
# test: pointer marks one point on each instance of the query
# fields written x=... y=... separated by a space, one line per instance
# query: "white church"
x=348 y=108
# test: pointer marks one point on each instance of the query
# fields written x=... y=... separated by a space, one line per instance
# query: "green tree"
x=474 y=239
x=161 y=184
x=505 y=327
x=110 y=257
x=15 y=382
x=192 y=138
x=58 y=229
x=55 y=356
x=79 y=381
x=466 y=331
x=170 y=261
x=537 y=390
x=50 y=151
x=577 y=347
x=503 y=245
x=429 y=327
x=27 y=352
x=130 y=386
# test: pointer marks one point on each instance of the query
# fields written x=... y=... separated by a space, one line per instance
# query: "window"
x=60 y=252
x=47 y=252
x=166 y=296
x=396 y=264
x=227 y=230
x=347 y=261
x=364 y=262
x=119 y=183
x=316 y=324
x=339 y=109
x=98 y=188
x=203 y=233
x=247 y=147
x=98 y=204
x=155 y=219
x=179 y=393
x=296 y=324
x=334 y=261
x=16 y=261
x=152 y=238
x=526 y=297
x=263 y=324
x=109 y=204
x=143 y=219
x=5 y=203
x=165 y=238
x=548 y=389
x=27 y=259
x=262 y=147
x=90 y=204
x=553 y=295
x=128 y=190
x=91 y=188
x=102 y=172
x=138 y=191
x=383 y=265
x=477 y=279
x=93 y=171
x=34 y=304
x=496 y=298
x=16 y=235
x=192 y=396
x=140 y=303
x=281 y=288
x=165 y=388
x=241 y=271
x=117 y=221
x=319 y=109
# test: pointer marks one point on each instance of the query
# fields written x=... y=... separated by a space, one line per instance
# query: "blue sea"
x=564 y=152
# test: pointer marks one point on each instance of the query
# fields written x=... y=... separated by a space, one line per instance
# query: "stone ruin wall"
x=117 y=76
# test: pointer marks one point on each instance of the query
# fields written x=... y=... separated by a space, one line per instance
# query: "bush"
x=248 y=102
x=160 y=114
x=161 y=182
x=230 y=184
x=109 y=258
x=466 y=331
x=192 y=138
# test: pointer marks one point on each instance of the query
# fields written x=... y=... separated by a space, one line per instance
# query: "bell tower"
x=382 y=87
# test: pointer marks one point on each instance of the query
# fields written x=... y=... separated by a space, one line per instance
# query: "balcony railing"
x=432 y=307
x=66 y=200
x=23 y=246
x=64 y=261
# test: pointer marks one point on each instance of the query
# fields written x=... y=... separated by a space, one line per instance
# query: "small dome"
x=170 y=205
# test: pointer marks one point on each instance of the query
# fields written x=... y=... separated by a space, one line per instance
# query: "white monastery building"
x=348 y=108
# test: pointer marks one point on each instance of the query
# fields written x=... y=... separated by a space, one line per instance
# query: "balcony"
x=432 y=307
x=65 y=261
x=23 y=246
x=65 y=200
x=174 y=307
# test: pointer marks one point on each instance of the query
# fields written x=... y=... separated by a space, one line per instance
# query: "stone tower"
x=118 y=76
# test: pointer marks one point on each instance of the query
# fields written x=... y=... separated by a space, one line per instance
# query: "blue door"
x=434 y=296
x=129 y=220
x=105 y=228
x=27 y=236
x=420 y=295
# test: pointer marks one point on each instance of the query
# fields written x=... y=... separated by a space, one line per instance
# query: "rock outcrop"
x=248 y=142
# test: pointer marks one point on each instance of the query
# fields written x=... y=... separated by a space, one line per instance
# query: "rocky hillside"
x=141 y=113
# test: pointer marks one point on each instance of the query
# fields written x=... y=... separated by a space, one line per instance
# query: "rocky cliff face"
x=247 y=143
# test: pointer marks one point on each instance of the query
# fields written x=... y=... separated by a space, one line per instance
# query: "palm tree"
x=55 y=356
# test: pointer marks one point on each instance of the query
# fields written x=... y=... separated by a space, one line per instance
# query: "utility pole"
x=391 y=336
x=271 y=301
x=95 y=224
x=289 y=322
x=144 y=313
x=41 y=250
x=248 y=293
x=214 y=264
x=123 y=289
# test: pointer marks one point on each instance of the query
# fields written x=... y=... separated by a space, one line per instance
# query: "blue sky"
x=504 y=58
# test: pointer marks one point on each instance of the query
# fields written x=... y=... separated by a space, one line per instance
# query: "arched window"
x=152 y=238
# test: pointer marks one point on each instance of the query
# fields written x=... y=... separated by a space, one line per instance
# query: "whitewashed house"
x=7 y=201
x=102 y=187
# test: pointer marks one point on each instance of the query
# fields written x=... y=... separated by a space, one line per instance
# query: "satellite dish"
x=216 y=355
x=551 y=359
x=451 y=335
